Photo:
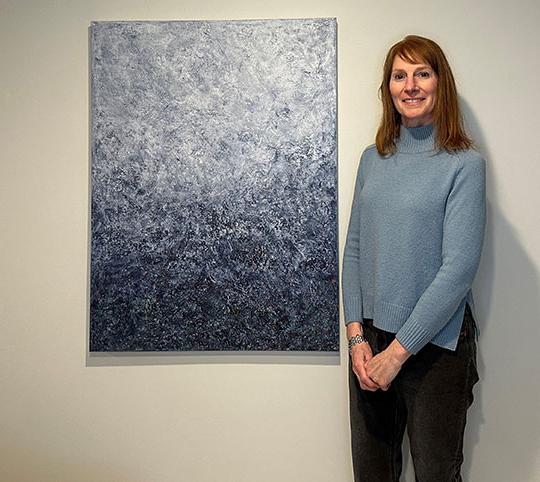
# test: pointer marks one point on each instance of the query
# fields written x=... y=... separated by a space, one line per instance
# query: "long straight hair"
x=447 y=119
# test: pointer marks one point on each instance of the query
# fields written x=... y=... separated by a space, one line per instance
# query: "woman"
x=413 y=247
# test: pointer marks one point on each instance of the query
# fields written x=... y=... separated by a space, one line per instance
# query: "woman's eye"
x=399 y=76
x=424 y=74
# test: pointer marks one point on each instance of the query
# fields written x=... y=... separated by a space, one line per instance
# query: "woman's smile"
x=413 y=101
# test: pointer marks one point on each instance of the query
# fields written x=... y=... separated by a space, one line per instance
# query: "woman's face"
x=413 y=88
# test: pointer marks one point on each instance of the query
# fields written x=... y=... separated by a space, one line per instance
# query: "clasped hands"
x=374 y=372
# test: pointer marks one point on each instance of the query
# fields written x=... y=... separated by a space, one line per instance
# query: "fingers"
x=380 y=372
x=385 y=387
x=360 y=356
x=367 y=383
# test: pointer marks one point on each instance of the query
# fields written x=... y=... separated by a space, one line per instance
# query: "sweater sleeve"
x=463 y=236
x=352 y=294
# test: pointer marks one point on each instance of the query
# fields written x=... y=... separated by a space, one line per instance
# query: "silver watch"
x=355 y=340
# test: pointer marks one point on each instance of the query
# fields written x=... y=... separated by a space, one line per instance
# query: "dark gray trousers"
x=429 y=397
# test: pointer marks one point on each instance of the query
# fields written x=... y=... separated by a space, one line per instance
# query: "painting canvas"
x=213 y=186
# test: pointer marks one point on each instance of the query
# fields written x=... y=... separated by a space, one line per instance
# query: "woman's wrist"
x=354 y=328
x=355 y=335
x=398 y=351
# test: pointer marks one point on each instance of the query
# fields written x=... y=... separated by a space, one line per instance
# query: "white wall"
x=67 y=417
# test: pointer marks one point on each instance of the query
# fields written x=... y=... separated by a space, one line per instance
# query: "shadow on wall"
x=507 y=388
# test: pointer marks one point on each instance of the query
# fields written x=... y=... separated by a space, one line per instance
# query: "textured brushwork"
x=214 y=167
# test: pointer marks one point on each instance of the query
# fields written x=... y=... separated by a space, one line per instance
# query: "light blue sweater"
x=415 y=239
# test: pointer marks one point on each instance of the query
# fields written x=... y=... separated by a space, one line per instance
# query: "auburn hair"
x=447 y=119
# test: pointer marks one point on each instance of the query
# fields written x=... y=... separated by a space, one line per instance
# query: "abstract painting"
x=213 y=186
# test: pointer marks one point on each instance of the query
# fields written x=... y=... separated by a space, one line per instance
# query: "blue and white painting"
x=214 y=169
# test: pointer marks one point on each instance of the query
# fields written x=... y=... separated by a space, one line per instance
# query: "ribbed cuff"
x=413 y=336
x=352 y=306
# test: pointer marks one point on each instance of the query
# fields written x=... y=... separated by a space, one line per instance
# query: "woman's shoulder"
x=370 y=152
x=365 y=160
x=368 y=155
x=469 y=166
x=371 y=148
x=470 y=159
x=467 y=155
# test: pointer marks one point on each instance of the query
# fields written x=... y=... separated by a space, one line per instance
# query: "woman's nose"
x=410 y=84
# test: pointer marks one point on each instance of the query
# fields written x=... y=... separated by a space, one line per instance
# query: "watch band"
x=355 y=340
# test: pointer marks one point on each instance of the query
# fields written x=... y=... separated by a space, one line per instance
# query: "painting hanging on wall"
x=213 y=186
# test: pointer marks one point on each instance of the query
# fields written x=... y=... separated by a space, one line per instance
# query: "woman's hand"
x=383 y=367
x=360 y=354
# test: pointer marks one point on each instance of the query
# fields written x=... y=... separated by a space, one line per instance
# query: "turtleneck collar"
x=416 y=139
